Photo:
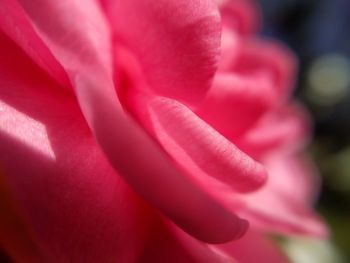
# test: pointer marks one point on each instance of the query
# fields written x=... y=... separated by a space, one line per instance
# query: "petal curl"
x=78 y=37
x=178 y=129
x=235 y=103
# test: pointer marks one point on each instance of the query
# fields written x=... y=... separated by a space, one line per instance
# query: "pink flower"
x=148 y=131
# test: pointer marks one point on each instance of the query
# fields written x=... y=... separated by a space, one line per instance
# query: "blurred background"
x=319 y=32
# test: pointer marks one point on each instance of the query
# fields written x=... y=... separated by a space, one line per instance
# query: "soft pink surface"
x=141 y=131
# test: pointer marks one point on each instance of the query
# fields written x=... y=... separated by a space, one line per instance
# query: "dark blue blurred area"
x=319 y=33
x=311 y=27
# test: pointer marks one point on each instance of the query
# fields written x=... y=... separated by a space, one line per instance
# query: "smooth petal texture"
x=235 y=103
x=75 y=205
x=180 y=42
x=15 y=23
x=253 y=248
x=285 y=203
x=78 y=37
x=175 y=125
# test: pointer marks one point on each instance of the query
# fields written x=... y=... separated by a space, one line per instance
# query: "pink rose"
x=148 y=131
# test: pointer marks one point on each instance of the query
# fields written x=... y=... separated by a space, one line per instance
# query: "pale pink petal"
x=285 y=204
x=178 y=129
x=283 y=129
x=270 y=60
x=15 y=23
x=230 y=47
x=234 y=103
x=253 y=248
x=176 y=41
x=67 y=193
x=78 y=37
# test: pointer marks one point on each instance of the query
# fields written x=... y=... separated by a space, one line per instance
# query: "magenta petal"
x=67 y=193
x=78 y=37
x=179 y=44
x=15 y=23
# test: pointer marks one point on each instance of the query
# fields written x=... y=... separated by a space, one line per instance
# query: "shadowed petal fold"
x=168 y=243
x=15 y=23
x=255 y=247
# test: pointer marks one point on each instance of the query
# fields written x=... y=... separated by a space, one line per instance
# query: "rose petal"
x=67 y=193
x=268 y=59
x=230 y=47
x=240 y=15
x=167 y=243
x=16 y=24
x=78 y=38
x=285 y=203
x=174 y=124
x=234 y=103
x=14 y=236
x=284 y=129
x=254 y=247
x=179 y=44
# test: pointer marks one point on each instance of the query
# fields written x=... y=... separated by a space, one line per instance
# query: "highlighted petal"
x=67 y=194
x=78 y=37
